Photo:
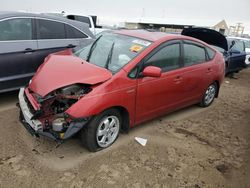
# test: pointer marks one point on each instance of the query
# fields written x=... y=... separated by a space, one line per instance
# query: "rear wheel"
x=102 y=130
x=209 y=95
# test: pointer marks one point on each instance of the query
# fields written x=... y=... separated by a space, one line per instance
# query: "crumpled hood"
x=61 y=70
x=209 y=36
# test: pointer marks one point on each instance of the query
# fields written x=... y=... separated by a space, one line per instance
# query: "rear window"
x=72 y=32
x=50 y=30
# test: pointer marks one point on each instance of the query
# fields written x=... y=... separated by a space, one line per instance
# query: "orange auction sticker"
x=135 y=48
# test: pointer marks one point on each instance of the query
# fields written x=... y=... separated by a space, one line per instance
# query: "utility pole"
x=143 y=12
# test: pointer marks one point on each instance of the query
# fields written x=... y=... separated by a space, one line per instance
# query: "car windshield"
x=221 y=50
x=112 y=51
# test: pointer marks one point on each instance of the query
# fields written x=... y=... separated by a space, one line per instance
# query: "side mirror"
x=232 y=44
x=151 y=71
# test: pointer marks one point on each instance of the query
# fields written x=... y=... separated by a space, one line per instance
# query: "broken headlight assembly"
x=53 y=106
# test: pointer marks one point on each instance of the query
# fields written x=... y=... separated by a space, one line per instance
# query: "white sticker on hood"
x=141 y=42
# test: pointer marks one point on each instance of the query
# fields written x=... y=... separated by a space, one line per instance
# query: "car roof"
x=156 y=36
x=82 y=26
x=239 y=38
x=4 y=14
x=143 y=34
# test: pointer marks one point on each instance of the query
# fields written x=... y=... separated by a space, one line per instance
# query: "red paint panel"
x=32 y=99
x=63 y=70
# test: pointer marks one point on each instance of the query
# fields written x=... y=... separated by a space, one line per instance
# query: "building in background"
x=236 y=30
x=176 y=25
x=167 y=27
x=221 y=27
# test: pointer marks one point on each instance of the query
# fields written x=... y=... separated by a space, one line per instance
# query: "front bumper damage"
x=36 y=128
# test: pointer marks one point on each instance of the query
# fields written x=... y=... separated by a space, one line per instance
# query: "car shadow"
x=8 y=100
x=72 y=153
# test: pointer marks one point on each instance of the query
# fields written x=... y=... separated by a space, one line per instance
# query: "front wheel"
x=102 y=130
x=209 y=95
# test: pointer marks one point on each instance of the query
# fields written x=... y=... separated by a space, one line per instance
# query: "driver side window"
x=239 y=45
x=167 y=58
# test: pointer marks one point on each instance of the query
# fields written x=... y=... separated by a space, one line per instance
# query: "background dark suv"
x=232 y=50
x=26 y=39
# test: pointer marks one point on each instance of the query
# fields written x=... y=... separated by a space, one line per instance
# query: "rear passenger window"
x=166 y=58
x=16 y=29
x=73 y=33
x=50 y=30
x=193 y=54
x=210 y=53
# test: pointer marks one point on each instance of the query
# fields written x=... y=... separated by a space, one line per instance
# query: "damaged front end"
x=45 y=116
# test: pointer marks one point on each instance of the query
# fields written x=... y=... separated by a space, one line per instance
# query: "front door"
x=237 y=57
x=155 y=96
x=17 y=48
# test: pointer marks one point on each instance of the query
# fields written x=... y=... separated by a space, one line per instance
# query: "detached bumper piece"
x=35 y=128
x=37 y=133
x=27 y=114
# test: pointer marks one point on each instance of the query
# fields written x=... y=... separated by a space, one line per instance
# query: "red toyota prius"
x=123 y=78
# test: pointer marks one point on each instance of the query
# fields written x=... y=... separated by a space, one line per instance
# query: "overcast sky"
x=112 y=11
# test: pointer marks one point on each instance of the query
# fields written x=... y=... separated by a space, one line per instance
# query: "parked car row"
x=110 y=83
x=26 y=39
x=233 y=50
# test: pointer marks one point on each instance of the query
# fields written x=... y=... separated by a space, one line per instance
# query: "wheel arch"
x=218 y=88
x=125 y=117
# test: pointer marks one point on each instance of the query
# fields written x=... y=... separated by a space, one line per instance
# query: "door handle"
x=28 y=50
x=71 y=46
x=178 y=79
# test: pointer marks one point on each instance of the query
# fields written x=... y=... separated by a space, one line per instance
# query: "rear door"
x=51 y=37
x=196 y=71
x=54 y=36
x=77 y=37
x=17 y=47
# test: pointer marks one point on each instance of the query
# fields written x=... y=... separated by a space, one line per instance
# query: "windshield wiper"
x=92 y=48
x=109 y=56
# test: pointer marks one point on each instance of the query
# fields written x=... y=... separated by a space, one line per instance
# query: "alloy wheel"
x=210 y=94
x=107 y=131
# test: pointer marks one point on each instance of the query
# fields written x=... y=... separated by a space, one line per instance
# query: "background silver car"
x=26 y=39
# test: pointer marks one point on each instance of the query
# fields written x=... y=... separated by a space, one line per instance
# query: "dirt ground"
x=193 y=147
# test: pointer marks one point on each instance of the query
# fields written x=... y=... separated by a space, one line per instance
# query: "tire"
x=100 y=133
x=209 y=95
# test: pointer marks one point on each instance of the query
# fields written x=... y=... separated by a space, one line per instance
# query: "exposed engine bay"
x=60 y=100
x=52 y=114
